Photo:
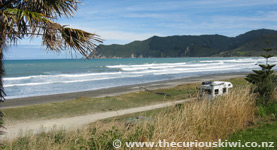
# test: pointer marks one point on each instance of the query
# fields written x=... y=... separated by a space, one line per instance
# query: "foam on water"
x=63 y=76
x=69 y=81
x=60 y=76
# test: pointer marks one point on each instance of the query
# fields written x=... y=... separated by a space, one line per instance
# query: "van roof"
x=213 y=83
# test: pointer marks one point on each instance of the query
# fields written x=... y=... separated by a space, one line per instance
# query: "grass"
x=263 y=130
x=264 y=133
x=87 y=105
x=206 y=120
x=196 y=120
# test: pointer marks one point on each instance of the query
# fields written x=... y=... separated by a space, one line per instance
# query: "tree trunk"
x=2 y=93
x=1 y=86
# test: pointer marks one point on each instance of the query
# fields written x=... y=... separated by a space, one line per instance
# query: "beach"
x=115 y=90
x=14 y=128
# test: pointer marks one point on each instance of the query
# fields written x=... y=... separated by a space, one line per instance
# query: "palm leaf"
x=61 y=38
x=25 y=22
x=51 y=8
x=55 y=36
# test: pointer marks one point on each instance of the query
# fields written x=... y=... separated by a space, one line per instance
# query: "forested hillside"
x=247 y=44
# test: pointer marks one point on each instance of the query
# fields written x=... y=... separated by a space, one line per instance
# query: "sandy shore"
x=113 y=91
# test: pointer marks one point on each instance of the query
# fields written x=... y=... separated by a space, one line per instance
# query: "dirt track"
x=13 y=130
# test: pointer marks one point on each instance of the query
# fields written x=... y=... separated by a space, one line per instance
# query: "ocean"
x=25 y=78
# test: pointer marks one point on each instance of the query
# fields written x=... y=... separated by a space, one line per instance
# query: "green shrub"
x=264 y=80
x=104 y=140
x=261 y=111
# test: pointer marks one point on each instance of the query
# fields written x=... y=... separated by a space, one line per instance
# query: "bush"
x=264 y=80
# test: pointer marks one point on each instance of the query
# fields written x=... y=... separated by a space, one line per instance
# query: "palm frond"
x=29 y=18
x=63 y=7
x=51 y=8
x=23 y=23
x=7 y=4
x=61 y=38
x=8 y=22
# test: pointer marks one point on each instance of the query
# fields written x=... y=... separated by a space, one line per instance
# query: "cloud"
x=122 y=7
x=125 y=36
x=159 y=16
x=270 y=16
x=119 y=36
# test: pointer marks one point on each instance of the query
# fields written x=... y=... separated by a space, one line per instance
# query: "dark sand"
x=113 y=91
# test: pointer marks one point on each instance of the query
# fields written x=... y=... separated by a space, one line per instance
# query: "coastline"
x=114 y=91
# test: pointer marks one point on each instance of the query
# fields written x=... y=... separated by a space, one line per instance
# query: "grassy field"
x=264 y=128
x=87 y=105
x=263 y=133
x=201 y=120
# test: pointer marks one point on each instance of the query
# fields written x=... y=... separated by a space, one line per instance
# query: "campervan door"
x=207 y=92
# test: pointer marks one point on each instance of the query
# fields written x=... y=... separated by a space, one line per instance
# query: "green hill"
x=247 y=44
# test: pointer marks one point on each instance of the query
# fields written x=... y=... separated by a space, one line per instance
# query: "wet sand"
x=114 y=91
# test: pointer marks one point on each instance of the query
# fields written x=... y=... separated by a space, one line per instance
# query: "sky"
x=123 y=21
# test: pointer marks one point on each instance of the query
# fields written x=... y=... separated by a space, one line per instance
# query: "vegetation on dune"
x=196 y=120
x=248 y=44
x=32 y=18
x=265 y=133
x=85 y=105
x=263 y=129
x=264 y=83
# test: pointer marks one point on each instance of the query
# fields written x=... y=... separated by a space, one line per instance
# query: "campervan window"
x=208 y=91
x=216 y=91
x=224 y=90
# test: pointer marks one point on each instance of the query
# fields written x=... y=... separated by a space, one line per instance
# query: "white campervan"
x=211 y=89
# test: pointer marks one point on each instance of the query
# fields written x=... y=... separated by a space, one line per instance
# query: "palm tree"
x=32 y=18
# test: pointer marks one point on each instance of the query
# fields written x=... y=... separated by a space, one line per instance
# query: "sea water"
x=24 y=78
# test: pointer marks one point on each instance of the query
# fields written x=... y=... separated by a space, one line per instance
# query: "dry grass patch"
x=197 y=120
x=207 y=120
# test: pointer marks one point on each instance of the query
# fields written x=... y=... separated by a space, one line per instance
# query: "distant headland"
x=248 y=44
